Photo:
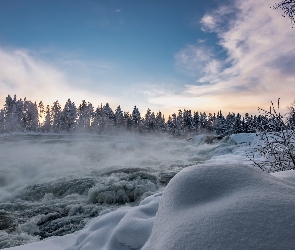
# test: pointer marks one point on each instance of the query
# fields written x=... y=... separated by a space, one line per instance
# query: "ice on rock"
x=224 y=207
x=59 y=188
x=123 y=191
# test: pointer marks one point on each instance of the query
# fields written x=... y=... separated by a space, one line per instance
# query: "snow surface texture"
x=225 y=207
x=222 y=204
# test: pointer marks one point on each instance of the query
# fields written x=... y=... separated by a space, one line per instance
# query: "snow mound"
x=209 y=206
x=288 y=175
x=225 y=207
x=124 y=229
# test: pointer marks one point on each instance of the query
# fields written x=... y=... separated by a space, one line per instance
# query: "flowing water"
x=52 y=184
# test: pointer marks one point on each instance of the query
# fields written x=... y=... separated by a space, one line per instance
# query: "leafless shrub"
x=276 y=146
x=288 y=7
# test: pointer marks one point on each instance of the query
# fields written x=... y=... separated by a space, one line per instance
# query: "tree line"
x=19 y=115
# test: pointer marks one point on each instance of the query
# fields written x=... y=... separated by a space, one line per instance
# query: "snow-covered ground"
x=216 y=201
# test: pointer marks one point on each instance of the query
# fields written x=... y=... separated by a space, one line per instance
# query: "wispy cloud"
x=201 y=40
x=195 y=58
x=31 y=77
x=210 y=21
x=259 y=45
x=28 y=74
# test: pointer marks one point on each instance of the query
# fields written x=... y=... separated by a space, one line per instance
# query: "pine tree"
x=55 y=116
x=203 y=122
x=160 y=122
x=19 y=114
x=220 y=124
x=170 y=125
x=68 y=116
x=47 y=122
x=146 y=121
x=127 y=120
x=152 y=122
x=41 y=112
x=149 y=121
x=248 y=124
x=230 y=123
x=97 y=120
x=30 y=116
x=9 y=110
x=196 y=122
x=85 y=116
x=108 y=117
x=211 y=121
x=2 y=120
x=135 y=118
x=238 y=126
x=188 y=123
x=119 y=118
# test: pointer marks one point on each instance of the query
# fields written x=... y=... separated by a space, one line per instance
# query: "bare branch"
x=288 y=7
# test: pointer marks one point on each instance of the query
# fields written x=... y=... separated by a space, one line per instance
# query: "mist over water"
x=53 y=184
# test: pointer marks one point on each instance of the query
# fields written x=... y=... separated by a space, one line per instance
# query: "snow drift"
x=225 y=207
x=207 y=206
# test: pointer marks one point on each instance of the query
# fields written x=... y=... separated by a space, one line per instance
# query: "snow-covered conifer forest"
x=79 y=177
x=22 y=115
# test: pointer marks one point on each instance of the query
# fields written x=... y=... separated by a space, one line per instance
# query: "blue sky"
x=165 y=55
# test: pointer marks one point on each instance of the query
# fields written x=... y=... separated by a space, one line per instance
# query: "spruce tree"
x=55 y=116
x=135 y=118
x=2 y=120
x=196 y=122
x=68 y=116
x=47 y=121
x=119 y=118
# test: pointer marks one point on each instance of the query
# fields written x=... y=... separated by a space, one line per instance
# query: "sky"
x=229 y=55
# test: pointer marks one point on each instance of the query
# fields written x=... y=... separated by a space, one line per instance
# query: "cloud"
x=201 y=40
x=259 y=47
x=118 y=10
x=195 y=58
x=211 y=22
x=29 y=76
x=208 y=22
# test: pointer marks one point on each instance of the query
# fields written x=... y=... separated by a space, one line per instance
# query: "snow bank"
x=244 y=138
x=125 y=228
x=225 y=207
x=52 y=243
